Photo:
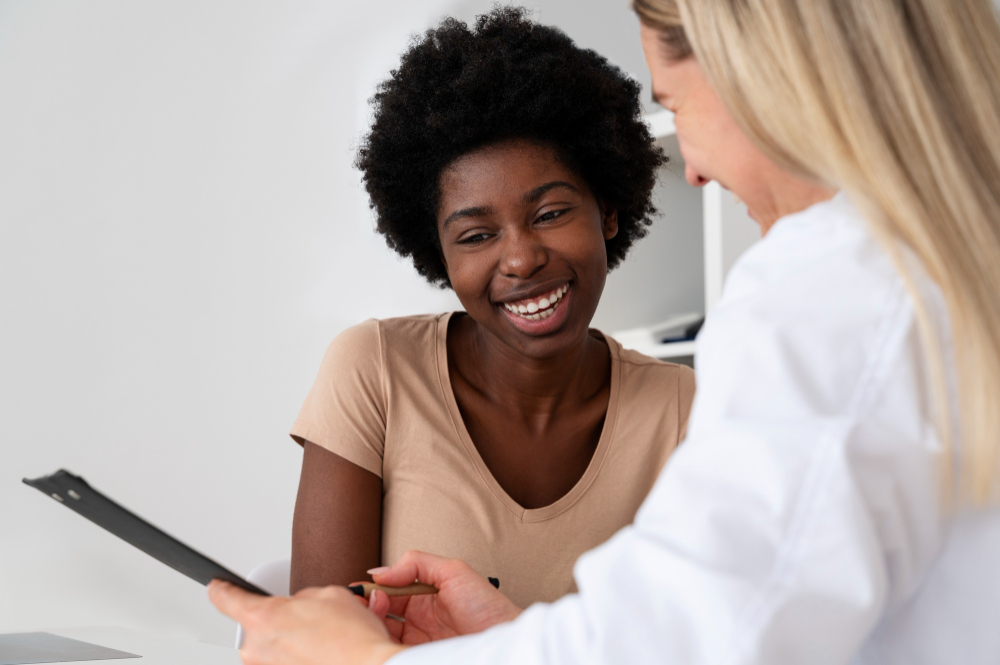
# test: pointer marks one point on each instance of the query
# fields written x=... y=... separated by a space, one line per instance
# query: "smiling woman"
x=513 y=167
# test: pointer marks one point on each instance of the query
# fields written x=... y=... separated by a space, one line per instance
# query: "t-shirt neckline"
x=567 y=500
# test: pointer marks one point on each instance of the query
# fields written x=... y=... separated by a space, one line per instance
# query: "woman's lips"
x=539 y=307
x=540 y=315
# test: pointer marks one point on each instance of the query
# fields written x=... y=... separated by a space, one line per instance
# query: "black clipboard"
x=76 y=494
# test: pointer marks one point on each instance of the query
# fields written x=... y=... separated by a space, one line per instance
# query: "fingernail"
x=379 y=570
x=371 y=600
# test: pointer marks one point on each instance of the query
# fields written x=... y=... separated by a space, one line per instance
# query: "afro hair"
x=459 y=89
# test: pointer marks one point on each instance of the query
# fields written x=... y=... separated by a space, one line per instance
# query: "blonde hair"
x=897 y=103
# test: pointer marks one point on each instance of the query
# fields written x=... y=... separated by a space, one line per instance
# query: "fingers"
x=233 y=601
x=398 y=605
x=389 y=610
x=378 y=603
x=385 y=608
x=318 y=625
x=413 y=566
x=396 y=630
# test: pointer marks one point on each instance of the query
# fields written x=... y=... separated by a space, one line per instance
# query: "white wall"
x=181 y=234
x=663 y=273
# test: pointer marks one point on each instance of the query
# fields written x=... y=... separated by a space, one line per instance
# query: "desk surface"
x=155 y=650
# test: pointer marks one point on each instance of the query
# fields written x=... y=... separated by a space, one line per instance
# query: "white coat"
x=803 y=519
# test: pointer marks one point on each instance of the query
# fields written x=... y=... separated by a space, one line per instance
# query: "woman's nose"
x=694 y=178
x=523 y=256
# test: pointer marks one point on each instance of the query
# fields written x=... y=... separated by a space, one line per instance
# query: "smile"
x=538 y=308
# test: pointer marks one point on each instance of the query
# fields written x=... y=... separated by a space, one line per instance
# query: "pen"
x=365 y=589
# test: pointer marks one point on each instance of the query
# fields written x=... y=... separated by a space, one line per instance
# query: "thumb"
x=233 y=601
x=413 y=566
x=378 y=603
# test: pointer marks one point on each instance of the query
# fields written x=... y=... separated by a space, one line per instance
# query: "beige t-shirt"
x=383 y=400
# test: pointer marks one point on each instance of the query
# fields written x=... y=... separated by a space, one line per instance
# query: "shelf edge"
x=661 y=123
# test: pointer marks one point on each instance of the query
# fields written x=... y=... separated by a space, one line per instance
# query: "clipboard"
x=76 y=494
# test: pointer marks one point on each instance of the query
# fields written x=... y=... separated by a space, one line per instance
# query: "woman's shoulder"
x=396 y=332
x=643 y=375
x=822 y=252
x=815 y=312
x=819 y=277
x=391 y=348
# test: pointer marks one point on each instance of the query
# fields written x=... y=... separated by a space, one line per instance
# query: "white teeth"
x=542 y=308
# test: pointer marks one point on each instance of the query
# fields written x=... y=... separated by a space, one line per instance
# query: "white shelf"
x=661 y=123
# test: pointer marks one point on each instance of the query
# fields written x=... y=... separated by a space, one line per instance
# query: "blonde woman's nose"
x=694 y=178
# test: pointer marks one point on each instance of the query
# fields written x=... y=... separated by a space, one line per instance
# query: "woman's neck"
x=791 y=195
x=533 y=387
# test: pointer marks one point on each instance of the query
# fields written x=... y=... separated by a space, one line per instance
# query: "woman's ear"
x=609 y=226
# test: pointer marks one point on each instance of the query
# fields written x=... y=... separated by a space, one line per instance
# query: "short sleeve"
x=344 y=411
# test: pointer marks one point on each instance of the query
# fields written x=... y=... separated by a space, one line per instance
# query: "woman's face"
x=713 y=145
x=522 y=238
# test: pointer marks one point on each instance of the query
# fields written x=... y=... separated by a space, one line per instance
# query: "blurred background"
x=181 y=235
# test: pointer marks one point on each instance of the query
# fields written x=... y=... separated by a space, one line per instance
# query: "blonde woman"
x=835 y=500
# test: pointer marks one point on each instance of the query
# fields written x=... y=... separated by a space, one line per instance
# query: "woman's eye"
x=549 y=216
x=474 y=239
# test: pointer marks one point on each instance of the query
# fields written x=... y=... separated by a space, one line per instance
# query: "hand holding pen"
x=465 y=602
x=331 y=624
x=365 y=589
